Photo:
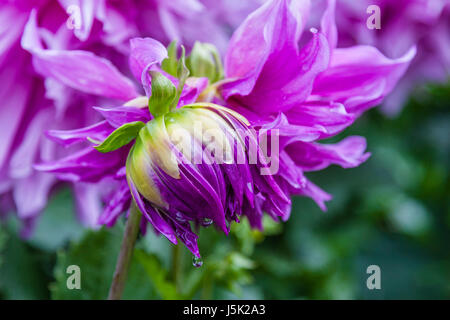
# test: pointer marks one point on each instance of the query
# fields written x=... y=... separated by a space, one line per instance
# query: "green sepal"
x=120 y=137
x=164 y=93
x=182 y=75
x=177 y=68
x=170 y=64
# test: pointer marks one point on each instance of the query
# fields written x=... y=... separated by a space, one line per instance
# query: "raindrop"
x=180 y=217
x=206 y=222
x=197 y=262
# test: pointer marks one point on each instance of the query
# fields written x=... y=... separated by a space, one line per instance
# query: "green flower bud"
x=204 y=61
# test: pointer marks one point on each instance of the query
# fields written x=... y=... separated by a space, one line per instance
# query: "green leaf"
x=204 y=61
x=96 y=255
x=22 y=275
x=3 y=238
x=170 y=64
x=163 y=95
x=182 y=75
x=120 y=137
x=158 y=275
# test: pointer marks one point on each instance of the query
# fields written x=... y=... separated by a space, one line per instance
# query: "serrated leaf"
x=163 y=95
x=120 y=137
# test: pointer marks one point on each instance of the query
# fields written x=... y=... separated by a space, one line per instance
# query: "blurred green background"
x=393 y=211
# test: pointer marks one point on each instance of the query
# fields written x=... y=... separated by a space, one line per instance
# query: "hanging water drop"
x=206 y=222
x=180 y=217
x=197 y=262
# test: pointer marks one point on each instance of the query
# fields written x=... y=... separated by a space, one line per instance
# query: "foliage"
x=120 y=137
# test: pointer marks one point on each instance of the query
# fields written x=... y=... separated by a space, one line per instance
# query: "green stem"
x=125 y=254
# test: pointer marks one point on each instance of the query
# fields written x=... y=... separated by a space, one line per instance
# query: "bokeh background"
x=393 y=211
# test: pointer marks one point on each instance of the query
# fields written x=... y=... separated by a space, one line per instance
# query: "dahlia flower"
x=35 y=97
x=404 y=23
x=269 y=86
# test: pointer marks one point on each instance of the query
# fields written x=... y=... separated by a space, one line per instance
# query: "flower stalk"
x=125 y=254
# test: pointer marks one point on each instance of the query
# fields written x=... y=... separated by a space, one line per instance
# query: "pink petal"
x=145 y=52
x=360 y=77
x=77 y=69
x=348 y=153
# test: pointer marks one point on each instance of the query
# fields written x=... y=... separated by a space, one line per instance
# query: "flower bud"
x=204 y=61
x=194 y=165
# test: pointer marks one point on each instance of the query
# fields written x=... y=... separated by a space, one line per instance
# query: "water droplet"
x=180 y=217
x=206 y=222
x=197 y=262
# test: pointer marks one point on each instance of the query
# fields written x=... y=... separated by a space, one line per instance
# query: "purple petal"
x=98 y=131
x=314 y=192
x=77 y=69
x=87 y=10
x=360 y=77
x=291 y=173
x=88 y=203
x=87 y=165
x=332 y=117
x=14 y=92
x=284 y=76
x=192 y=89
x=328 y=25
x=152 y=215
x=117 y=27
x=289 y=132
x=145 y=52
x=348 y=153
x=25 y=153
x=277 y=25
x=199 y=197
x=117 y=205
x=185 y=234
x=13 y=20
x=118 y=116
x=31 y=193
x=274 y=76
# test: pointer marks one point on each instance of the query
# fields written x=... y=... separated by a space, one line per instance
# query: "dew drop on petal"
x=197 y=262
